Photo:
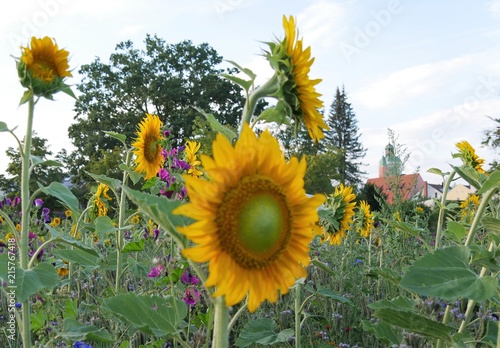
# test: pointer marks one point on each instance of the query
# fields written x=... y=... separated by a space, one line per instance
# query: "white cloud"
x=316 y=23
x=400 y=86
x=494 y=8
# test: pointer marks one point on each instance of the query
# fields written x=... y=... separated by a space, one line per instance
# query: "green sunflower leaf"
x=3 y=127
x=217 y=126
x=64 y=195
x=445 y=273
x=262 y=331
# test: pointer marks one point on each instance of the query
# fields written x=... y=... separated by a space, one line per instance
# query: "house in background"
x=411 y=186
x=459 y=193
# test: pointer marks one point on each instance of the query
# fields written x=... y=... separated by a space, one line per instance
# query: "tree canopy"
x=167 y=80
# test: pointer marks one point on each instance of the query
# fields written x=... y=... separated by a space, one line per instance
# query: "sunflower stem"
x=266 y=90
x=442 y=209
x=25 y=219
x=298 y=311
x=121 y=220
x=221 y=321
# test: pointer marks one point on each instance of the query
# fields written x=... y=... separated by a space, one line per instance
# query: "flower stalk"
x=25 y=220
x=439 y=230
x=221 y=321
x=121 y=220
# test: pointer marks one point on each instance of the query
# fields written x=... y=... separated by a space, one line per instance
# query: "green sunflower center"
x=151 y=148
x=254 y=222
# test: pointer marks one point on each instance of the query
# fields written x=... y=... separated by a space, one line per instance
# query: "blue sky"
x=428 y=70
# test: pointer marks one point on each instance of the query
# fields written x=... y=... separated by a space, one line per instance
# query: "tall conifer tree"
x=344 y=136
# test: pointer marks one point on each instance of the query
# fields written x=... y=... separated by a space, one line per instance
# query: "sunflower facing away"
x=342 y=204
x=147 y=146
x=299 y=93
x=191 y=148
x=254 y=219
x=469 y=156
x=364 y=219
x=43 y=66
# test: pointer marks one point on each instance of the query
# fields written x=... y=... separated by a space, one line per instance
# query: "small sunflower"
x=364 y=219
x=56 y=222
x=341 y=204
x=43 y=67
x=468 y=208
x=102 y=206
x=293 y=63
x=191 y=148
x=469 y=156
x=147 y=146
x=254 y=219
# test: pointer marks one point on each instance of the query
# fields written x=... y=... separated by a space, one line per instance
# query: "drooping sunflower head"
x=298 y=94
x=43 y=67
x=364 y=219
x=192 y=148
x=469 y=156
x=340 y=212
x=254 y=221
x=149 y=157
x=101 y=198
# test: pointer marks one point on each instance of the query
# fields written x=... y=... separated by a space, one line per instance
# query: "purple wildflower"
x=38 y=202
x=189 y=279
x=155 y=271
x=16 y=201
x=191 y=296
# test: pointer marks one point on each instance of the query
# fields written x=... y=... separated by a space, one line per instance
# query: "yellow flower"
x=191 y=148
x=147 y=146
x=397 y=216
x=68 y=213
x=254 y=219
x=341 y=204
x=18 y=227
x=55 y=222
x=135 y=219
x=74 y=232
x=365 y=220
x=469 y=156
x=63 y=272
x=101 y=192
x=9 y=235
x=419 y=210
x=298 y=93
x=43 y=67
x=468 y=208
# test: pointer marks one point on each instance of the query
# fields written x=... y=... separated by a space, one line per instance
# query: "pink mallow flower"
x=191 y=296
x=155 y=271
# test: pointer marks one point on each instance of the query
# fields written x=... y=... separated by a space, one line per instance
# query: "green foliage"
x=344 y=138
x=154 y=315
x=168 y=80
x=262 y=332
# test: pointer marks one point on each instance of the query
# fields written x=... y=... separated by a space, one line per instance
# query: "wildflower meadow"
x=228 y=249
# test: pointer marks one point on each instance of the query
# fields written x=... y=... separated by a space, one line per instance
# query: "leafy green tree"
x=321 y=173
x=168 y=80
x=373 y=196
x=344 y=135
x=491 y=138
x=41 y=174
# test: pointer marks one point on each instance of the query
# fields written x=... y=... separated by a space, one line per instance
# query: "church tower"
x=389 y=164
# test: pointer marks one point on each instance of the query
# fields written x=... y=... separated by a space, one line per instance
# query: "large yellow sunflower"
x=469 y=156
x=43 y=66
x=364 y=219
x=147 y=146
x=341 y=204
x=254 y=219
x=299 y=93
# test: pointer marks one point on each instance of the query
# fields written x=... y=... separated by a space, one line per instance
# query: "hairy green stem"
x=298 y=343
x=25 y=220
x=479 y=215
x=221 y=320
x=236 y=316
x=442 y=209
x=121 y=219
x=265 y=90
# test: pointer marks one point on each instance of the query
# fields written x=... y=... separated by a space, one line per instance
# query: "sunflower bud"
x=43 y=68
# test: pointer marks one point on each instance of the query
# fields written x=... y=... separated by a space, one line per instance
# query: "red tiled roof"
x=410 y=185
